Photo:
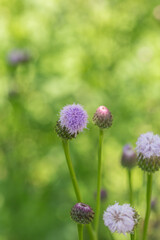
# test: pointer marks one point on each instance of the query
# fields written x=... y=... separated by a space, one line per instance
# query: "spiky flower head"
x=82 y=213
x=121 y=218
x=73 y=119
x=148 y=151
x=102 y=117
x=129 y=157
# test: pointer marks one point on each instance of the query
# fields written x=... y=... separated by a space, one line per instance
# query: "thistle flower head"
x=18 y=56
x=73 y=119
x=104 y=194
x=154 y=204
x=102 y=117
x=82 y=213
x=129 y=157
x=120 y=218
x=148 y=150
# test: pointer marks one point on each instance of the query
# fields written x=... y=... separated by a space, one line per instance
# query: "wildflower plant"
x=73 y=119
x=128 y=161
x=148 y=150
x=118 y=218
x=103 y=119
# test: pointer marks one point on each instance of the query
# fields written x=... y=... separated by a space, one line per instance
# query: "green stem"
x=98 y=202
x=71 y=170
x=80 y=231
x=110 y=235
x=148 y=207
x=75 y=183
x=132 y=236
x=130 y=186
x=144 y=178
x=91 y=232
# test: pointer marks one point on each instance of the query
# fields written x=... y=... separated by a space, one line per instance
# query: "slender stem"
x=144 y=178
x=75 y=183
x=71 y=170
x=99 y=180
x=137 y=233
x=110 y=235
x=80 y=231
x=148 y=207
x=130 y=186
x=91 y=232
x=132 y=236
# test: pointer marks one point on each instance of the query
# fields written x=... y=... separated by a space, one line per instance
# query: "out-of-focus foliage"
x=92 y=52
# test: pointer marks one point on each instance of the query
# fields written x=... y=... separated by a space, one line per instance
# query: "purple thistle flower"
x=148 y=145
x=120 y=218
x=148 y=150
x=74 y=118
x=82 y=213
x=129 y=157
x=18 y=56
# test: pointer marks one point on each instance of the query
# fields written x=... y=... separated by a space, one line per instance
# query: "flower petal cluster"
x=148 y=150
x=148 y=145
x=120 y=218
x=73 y=119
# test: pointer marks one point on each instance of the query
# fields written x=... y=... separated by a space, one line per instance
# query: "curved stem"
x=75 y=183
x=148 y=207
x=98 y=202
x=71 y=170
x=80 y=231
x=130 y=186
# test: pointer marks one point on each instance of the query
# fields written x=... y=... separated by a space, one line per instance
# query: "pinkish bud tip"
x=103 y=110
x=102 y=117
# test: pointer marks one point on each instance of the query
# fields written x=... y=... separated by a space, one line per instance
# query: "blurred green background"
x=92 y=52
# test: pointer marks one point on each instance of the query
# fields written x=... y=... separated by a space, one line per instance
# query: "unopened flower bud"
x=82 y=213
x=129 y=157
x=148 y=150
x=102 y=117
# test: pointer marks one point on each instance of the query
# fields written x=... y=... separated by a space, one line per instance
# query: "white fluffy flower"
x=120 y=218
x=148 y=145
